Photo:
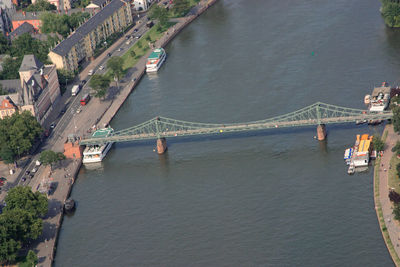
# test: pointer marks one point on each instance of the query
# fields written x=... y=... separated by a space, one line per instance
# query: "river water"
x=273 y=198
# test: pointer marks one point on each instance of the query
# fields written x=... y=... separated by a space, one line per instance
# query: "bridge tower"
x=321 y=129
x=161 y=141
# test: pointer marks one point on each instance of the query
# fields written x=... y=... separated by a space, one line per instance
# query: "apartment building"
x=113 y=17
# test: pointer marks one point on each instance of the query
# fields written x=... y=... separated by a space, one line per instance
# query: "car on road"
x=135 y=30
x=23 y=179
x=127 y=37
x=101 y=67
x=78 y=110
x=83 y=82
x=119 y=49
x=138 y=36
x=128 y=42
x=53 y=125
x=90 y=72
x=109 y=54
x=27 y=172
x=34 y=170
x=63 y=110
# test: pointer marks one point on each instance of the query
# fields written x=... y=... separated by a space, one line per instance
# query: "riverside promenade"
x=390 y=228
x=98 y=113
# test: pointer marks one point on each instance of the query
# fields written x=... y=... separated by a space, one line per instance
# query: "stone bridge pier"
x=321 y=132
x=161 y=146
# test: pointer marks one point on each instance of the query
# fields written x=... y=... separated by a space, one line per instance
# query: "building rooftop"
x=24 y=28
x=11 y=86
x=30 y=62
x=385 y=89
x=25 y=15
x=65 y=46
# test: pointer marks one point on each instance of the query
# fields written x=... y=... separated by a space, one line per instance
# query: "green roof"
x=102 y=133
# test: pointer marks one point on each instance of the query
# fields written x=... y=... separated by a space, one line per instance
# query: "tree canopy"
x=391 y=13
x=181 y=7
x=100 y=84
x=19 y=132
x=62 y=24
x=22 y=197
x=20 y=221
x=378 y=143
x=41 y=5
x=159 y=13
x=49 y=157
x=115 y=64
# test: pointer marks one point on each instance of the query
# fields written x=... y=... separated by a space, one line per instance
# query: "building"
x=81 y=44
x=37 y=90
x=24 y=28
x=33 y=18
x=140 y=5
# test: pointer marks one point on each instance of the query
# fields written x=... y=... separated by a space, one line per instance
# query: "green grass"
x=394 y=181
x=155 y=34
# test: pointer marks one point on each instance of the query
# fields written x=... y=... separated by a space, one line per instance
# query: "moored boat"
x=96 y=153
x=69 y=205
x=155 y=60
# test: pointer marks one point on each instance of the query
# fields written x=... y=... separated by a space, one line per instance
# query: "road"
x=72 y=103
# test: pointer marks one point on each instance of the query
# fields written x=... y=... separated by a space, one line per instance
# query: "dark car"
x=109 y=54
x=83 y=82
x=27 y=172
x=135 y=30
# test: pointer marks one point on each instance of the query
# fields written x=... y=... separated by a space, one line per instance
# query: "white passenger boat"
x=155 y=60
x=96 y=153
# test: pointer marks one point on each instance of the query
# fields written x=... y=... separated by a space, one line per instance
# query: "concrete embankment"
x=64 y=176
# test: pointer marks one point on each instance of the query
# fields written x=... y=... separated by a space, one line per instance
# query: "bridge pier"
x=161 y=145
x=321 y=132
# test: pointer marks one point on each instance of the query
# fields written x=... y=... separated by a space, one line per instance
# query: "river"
x=272 y=198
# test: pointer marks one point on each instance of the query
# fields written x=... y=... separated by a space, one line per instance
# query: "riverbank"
x=64 y=177
x=389 y=227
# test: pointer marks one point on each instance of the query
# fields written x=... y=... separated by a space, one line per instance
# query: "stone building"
x=37 y=90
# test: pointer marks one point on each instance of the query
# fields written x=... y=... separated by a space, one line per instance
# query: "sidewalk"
x=392 y=225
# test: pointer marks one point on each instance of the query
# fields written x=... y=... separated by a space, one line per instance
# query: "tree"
x=49 y=157
x=32 y=258
x=396 y=211
x=391 y=13
x=65 y=77
x=10 y=68
x=99 y=83
x=22 y=197
x=4 y=45
x=139 y=44
x=7 y=155
x=181 y=7
x=26 y=44
x=62 y=24
x=19 y=132
x=396 y=118
x=378 y=143
x=41 y=5
x=132 y=53
x=115 y=64
x=148 y=38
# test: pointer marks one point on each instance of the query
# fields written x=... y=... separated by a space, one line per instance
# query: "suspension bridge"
x=318 y=114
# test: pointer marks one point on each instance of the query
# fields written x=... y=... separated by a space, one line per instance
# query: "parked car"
x=119 y=49
x=34 y=170
x=109 y=54
x=78 y=110
x=53 y=125
x=135 y=30
x=138 y=36
x=90 y=72
x=101 y=67
x=83 y=82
